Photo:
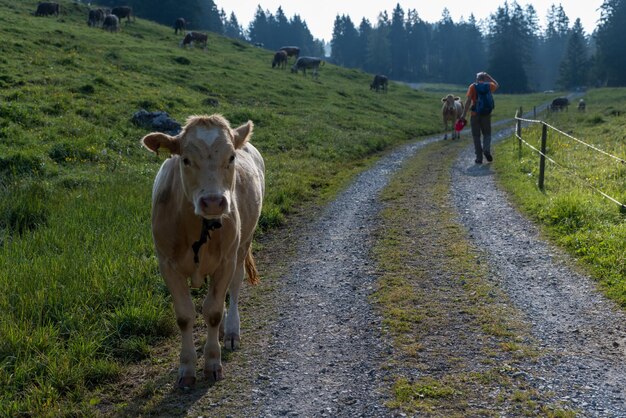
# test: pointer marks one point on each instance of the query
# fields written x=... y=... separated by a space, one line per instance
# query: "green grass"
x=591 y=227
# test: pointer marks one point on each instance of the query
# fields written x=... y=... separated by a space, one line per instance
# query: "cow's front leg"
x=232 y=326
x=185 y=317
x=212 y=310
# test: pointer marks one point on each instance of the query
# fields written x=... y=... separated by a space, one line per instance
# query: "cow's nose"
x=213 y=204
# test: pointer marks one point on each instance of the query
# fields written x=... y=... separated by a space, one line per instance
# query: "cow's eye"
x=232 y=158
x=186 y=161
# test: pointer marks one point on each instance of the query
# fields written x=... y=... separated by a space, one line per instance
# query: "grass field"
x=80 y=294
x=590 y=226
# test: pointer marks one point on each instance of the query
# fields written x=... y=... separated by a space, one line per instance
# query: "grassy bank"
x=591 y=227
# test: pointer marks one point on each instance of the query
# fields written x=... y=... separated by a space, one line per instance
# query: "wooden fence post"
x=519 y=140
x=542 y=158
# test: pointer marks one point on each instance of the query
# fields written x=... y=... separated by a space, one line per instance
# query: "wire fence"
x=543 y=157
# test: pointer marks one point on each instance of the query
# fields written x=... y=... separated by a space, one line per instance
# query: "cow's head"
x=205 y=150
x=448 y=102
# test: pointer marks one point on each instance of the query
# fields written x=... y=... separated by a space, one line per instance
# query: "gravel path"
x=582 y=333
x=326 y=346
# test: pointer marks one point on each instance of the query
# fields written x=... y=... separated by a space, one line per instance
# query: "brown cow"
x=292 y=51
x=206 y=202
x=47 y=9
x=179 y=25
x=451 y=112
x=280 y=59
x=123 y=12
x=194 y=37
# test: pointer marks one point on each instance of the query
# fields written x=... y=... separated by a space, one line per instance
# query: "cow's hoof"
x=231 y=342
x=186 y=382
x=214 y=374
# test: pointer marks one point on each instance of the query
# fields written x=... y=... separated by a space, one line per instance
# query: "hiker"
x=480 y=99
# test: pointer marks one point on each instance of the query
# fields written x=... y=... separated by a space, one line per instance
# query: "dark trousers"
x=481 y=125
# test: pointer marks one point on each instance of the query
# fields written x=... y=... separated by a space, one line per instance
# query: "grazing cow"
x=451 y=112
x=123 y=12
x=582 y=105
x=96 y=17
x=312 y=63
x=206 y=201
x=380 y=82
x=292 y=51
x=179 y=25
x=559 y=103
x=280 y=59
x=194 y=37
x=111 y=23
x=47 y=9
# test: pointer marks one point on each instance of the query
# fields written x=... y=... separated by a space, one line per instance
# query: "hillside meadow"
x=80 y=293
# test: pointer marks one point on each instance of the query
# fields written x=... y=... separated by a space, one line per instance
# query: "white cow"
x=206 y=202
x=451 y=112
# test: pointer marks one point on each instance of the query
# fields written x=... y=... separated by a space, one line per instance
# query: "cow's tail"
x=251 y=271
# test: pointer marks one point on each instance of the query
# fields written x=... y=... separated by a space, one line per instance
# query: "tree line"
x=509 y=44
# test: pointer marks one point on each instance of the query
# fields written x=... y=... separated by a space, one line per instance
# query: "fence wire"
x=568 y=169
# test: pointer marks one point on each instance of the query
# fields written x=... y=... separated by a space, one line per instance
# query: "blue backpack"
x=485 y=103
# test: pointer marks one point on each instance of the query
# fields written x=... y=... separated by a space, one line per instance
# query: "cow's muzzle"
x=212 y=206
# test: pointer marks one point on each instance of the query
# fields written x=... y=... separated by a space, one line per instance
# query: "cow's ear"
x=158 y=140
x=243 y=134
x=457 y=98
x=443 y=100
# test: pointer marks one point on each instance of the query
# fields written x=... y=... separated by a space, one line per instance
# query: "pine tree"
x=259 y=29
x=399 y=45
x=574 y=68
x=508 y=56
x=344 y=42
x=419 y=43
x=360 y=50
x=611 y=48
x=378 y=48
x=232 y=28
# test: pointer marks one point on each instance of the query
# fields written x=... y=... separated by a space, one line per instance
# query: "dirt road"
x=313 y=344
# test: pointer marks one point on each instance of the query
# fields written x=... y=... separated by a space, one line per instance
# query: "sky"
x=320 y=14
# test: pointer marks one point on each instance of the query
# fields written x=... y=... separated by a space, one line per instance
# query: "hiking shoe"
x=489 y=157
x=477 y=161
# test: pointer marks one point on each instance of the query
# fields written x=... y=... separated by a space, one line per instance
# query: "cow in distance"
x=451 y=111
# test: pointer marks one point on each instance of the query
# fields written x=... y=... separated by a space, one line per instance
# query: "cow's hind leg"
x=185 y=317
